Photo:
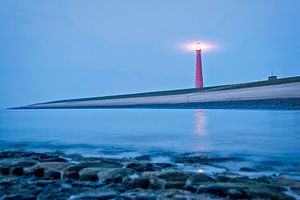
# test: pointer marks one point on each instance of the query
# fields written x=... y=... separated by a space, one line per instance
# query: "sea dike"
x=280 y=93
x=30 y=175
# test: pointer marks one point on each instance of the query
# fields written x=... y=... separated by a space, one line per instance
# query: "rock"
x=159 y=166
x=234 y=193
x=182 y=195
x=75 y=157
x=222 y=178
x=106 y=178
x=47 y=158
x=53 y=175
x=296 y=190
x=143 y=158
x=282 y=181
x=43 y=182
x=116 y=187
x=55 y=159
x=15 y=166
x=242 y=191
x=103 y=159
x=137 y=182
x=40 y=169
x=266 y=193
x=194 y=181
x=90 y=173
x=157 y=183
x=71 y=175
x=115 y=174
x=52 y=165
x=38 y=172
x=4 y=171
x=199 y=179
x=223 y=190
x=18 y=171
x=18 y=197
x=29 y=156
x=103 y=162
x=141 y=167
x=174 y=179
x=97 y=195
x=265 y=180
x=247 y=169
x=17 y=162
x=175 y=175
x=203 y=159
x=138 y=195
x=80 y=166
x=55 y=190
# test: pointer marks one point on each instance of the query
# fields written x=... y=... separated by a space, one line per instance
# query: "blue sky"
x=60 y=49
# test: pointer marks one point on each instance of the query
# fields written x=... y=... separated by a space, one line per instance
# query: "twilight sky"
x=60 y=49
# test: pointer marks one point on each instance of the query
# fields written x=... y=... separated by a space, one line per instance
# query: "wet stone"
x=18 y=197
x=175 y=175
x=103 y=163
x=103 y=195
x=116 y=187
x=129 y=178
x=203 y=159
x=17 y=171
x=55 y=192
x=173 y=179
x=100 y=164
x=16 y=162
x=38 y=172
x=247 y=169
x=141 y=167
x=114 y=175
x=199 y=179
x=143 y=158
x=4 y=171
x=179 y=194
x=54 y=160
x=283 y=181
x=194 y=181
x=137 y=182
x=138 y=195
x=52 y=165
x=53 y=175
x=296 y=190
x=90 y=174
x=157 y=183
x=71 y=175
x=159 y=166
x=222 y=178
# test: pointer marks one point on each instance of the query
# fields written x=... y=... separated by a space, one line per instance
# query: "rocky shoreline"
x=31 y=175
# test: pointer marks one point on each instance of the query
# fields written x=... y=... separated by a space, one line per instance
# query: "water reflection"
x=200 y=122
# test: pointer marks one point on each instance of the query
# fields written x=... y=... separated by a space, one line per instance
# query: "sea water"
x=267 y=134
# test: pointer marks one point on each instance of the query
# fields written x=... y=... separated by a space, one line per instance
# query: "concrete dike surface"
x=281 y=93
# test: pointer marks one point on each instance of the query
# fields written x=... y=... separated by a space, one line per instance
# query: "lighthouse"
x=198 y=75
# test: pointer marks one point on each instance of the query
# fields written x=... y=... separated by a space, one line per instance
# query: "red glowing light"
x=199 y=45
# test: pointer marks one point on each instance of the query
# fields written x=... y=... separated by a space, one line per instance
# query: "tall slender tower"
x=198 y=77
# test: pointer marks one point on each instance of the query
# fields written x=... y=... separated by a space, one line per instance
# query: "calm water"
x=131 y=132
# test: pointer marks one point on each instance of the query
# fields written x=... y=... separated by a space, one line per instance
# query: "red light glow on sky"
x=198 y=45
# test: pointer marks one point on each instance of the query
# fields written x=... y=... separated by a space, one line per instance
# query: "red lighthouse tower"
x=198 y=76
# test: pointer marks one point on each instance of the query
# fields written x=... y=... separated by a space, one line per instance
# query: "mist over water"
x=131 y=132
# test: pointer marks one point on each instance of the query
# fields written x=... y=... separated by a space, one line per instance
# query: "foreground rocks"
x=29 y=175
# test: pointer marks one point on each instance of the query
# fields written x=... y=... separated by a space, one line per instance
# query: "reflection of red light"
x=200 y=170
x=200 y=122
